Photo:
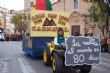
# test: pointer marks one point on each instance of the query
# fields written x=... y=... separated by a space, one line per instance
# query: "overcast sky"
x=12 y=4
x=15 y=4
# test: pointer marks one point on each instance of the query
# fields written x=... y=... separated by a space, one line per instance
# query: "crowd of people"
x=17 y=36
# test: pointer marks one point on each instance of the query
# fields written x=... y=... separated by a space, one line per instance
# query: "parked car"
x=2 y=38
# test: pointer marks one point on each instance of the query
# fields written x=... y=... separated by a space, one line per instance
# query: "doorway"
x=75 y=28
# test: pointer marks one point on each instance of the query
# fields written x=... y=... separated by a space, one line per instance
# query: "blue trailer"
x=38 y=44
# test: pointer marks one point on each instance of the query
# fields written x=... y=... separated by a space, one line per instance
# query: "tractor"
x=54 y=55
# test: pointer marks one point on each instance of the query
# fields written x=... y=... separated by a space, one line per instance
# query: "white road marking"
x=4 y=66
x=26 y=68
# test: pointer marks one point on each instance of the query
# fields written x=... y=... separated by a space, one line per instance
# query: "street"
x=13 y=60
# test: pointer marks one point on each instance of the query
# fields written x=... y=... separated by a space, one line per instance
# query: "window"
x=31 y=4
x=75 y=4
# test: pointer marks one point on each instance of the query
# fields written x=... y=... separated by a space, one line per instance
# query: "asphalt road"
x=13 y=60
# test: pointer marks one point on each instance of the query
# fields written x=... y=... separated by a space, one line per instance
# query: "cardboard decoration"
x=46 y=23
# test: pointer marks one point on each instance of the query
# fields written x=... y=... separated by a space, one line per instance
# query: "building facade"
x=9 y=28
x=5 y=19
x=3 y=12
x=79 y=15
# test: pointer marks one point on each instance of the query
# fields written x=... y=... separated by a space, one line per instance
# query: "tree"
x=98 y=13
x=18 y=21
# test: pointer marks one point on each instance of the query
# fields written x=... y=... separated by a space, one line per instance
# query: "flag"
x=43 y=5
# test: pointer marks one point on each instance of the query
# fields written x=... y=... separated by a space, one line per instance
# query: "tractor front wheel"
x=57 y=63
x=46 y=57
x=86 y=69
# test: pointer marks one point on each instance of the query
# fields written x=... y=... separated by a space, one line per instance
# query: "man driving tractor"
x=60 y=38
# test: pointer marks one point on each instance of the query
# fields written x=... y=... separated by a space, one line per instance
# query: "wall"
x=69 y=6
x=77 y=16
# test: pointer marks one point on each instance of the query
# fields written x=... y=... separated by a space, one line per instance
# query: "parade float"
x=43 y=27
